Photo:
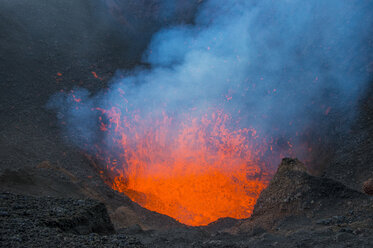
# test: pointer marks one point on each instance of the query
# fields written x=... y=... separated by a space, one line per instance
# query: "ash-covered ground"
x=46 y=183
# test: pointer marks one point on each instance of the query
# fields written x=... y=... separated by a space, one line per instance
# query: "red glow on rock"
x=94 y=74
x=327 y=110
x=76 y=99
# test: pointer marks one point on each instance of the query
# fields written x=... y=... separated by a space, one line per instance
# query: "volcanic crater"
x=96 y=157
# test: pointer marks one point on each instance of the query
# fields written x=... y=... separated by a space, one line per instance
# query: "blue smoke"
x=277 y=66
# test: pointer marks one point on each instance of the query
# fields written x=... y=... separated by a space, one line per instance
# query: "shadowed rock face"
x=32 y=221
x=289 y=164
x=353 y=161
x=292 y=192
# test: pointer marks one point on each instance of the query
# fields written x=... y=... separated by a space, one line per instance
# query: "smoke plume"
x=279 y=67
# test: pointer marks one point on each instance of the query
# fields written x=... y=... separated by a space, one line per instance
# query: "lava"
x=195 y=168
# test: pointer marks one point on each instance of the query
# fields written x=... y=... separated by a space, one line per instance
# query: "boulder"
x=368 y=186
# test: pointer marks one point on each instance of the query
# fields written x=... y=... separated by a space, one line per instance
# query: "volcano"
x=181 y=121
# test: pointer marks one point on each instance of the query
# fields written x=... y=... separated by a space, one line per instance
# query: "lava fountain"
x=196 y=170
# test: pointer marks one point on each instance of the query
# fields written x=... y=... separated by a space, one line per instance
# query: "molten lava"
x=194 y=168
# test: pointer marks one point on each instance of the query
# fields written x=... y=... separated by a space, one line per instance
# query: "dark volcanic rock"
x=298 y=209
x=48 y=179
x=353 y=163
x=221 y=224
x=293 y=191
x=52 y=222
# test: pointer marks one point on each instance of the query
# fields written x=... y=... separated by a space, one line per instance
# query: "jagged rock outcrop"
x=293 y=192
x=57 y=222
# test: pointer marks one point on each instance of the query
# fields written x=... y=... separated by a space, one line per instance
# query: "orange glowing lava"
x=196 y=170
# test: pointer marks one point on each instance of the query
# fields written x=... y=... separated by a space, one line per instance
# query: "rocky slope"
x=296 y=209
x=310 y=211
x=52 y=222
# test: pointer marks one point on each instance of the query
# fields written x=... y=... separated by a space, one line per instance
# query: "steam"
x=276 y=66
